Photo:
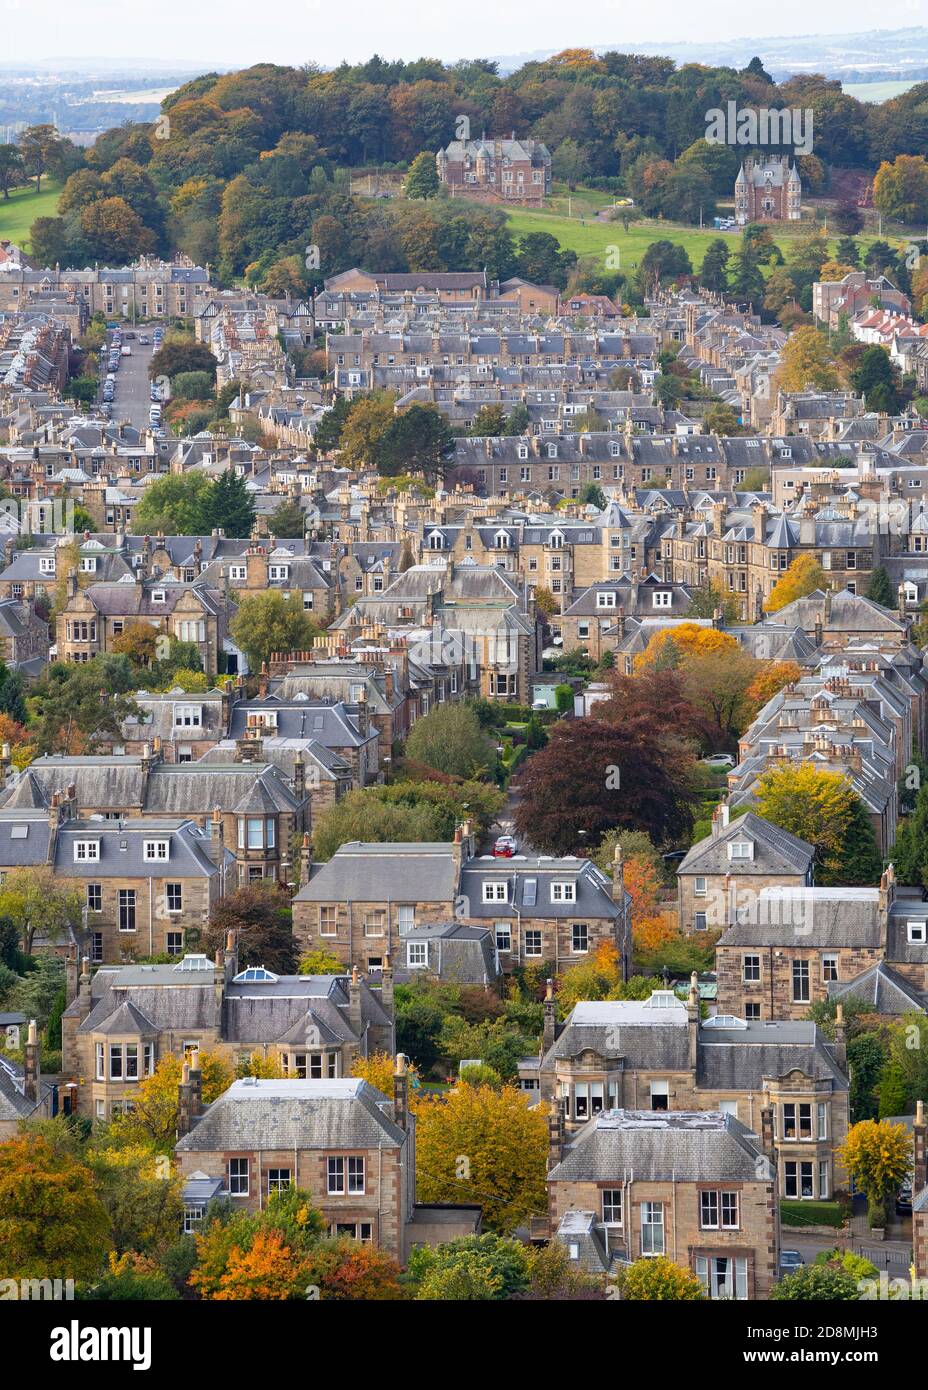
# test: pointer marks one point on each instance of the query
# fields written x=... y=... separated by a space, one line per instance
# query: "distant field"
x=18 y=214
x=875 y=91
x=590 y=238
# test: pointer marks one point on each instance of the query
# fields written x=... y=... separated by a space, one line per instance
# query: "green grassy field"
x=591 y=238
x=19 y=212
x=875 y=91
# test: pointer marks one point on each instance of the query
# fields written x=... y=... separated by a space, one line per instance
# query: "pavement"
x=132 y=401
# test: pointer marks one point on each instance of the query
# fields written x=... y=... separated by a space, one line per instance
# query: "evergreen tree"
x=714 y=273
x=880 y=589
x=229 y=505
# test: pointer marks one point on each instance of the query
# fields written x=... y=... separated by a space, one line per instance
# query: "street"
x=132 y=400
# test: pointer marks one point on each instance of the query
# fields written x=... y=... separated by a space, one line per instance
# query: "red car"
x=504 y=848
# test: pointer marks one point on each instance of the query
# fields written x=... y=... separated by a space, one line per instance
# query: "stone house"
x=259 y=816
x=121 y=1022
x=728 y=868
x=656 y=1055
x=920 y=1193
x=367 y=898
x=695 y=1186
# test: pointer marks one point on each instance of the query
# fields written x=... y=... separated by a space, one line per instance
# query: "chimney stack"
x=618 y=874
x=840 y=1038
x=32 y=1064
x=401 y=1092
x=692 y=1021
x=196 y=1085
x=215 y=851
x=920 y=1147
x=555 y=1133
x=354 y=1002
x=184 y=1102
x=386 y=986
x=766 y=1135
x=83 y=988
x=549 y=1034
x=306 y=859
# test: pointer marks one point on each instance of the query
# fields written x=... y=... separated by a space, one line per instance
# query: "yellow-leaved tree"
x=479 y=1144
x=803 y=577
x=878 y=1156
x=377 y=1070
x=807 y=361
x=656 y=1278
x=822 y=808
x=153 y=1122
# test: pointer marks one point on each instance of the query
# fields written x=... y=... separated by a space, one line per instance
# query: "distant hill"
x=877 y=55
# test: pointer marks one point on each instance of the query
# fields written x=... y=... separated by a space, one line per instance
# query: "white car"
x=719 y=760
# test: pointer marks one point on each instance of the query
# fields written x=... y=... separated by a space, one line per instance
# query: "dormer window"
x=436 y=541
x=156 y=851
x=238 y=573
x=916 y=930
x=86 y=851
x=605 y=600
x=495 y=892
x=502 y=540
x=46 y=564
x=277 y=573
x=523 y=451
x=158 y=596
x=188 y=716
x=741 y=849
x=552 y=451
x=88 y=564
x=564 y=891
x=556 y=539
x=662 y=598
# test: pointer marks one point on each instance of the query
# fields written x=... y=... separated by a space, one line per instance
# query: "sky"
x=205 y=34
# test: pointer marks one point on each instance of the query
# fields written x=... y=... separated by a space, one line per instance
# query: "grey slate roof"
x=882 y=989
x=679 y=1145
x=776 y=851
x=395 y=872
x=809 y=917
x=295 y=1115
x=529 y=882
x=740 y=1059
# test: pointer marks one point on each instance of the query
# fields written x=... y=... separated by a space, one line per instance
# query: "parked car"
x=790 y=1261
x=504 y=848
x=719 y=760
x=904 y=1200
x=144 y=338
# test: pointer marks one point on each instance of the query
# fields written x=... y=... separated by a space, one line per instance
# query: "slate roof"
x=529 y=882
x=882 y=989
x=742 y=1058
x=295 y=1115
x=810 y=917
x=678 y=1145
x=776 y=851
x=122 y=849
x=395 y=872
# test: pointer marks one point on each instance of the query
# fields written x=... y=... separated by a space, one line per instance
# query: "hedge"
x=811 y=1214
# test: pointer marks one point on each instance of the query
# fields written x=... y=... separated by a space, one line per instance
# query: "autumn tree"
x=347 y=1269
x=900 y=188
x=152 y=1122
x=378 y=1070
x=471 y=1269
x=504 y=1145
x=52 y=1224
x=628 y=767
x=770 y=679
x=807 y=362
x=143 y=1204
x=258 y=915
x=817 y=1284
x=658 y=1278
x=803 y=577
x=139 y=642
x=368 y=422
x=878 y=1156
x=822 y=808
x=260 y=1255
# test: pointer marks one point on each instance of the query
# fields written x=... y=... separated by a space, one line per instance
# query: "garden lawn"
x=18 y=213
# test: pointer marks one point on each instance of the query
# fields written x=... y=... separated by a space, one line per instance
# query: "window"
x=699 y=887
x=175 y=943
x=612 y=1206
x=278 y=1180
x=741 y=849
x=750 y=968
x=127 y=909
x=660 y=1095
x=192 y=1218
x=915 y=930
x=824 y=1185
x=798 y=1180
x=495 y=892
x=830 y=966
x=238 y=1177
x=362 y=1231
x=356 y=1174
x=375 y=921
x=533 y=943
x=800 y=982
x=751 y=1012
x=417 y=954
x=605 y=600
x=158 y=596
x=700 y=921
x=188 y=716
x=652 y=1228
x=563 y=892
x=579 y=937
x=797 y=1120
x=238 y=573
x=588 y=1099
x=254 y=832
x=86 y=851
x=503 y=936
x=174 y=894
x=723 y=1276
x=96 y=947
x=99 y=1073
x=115 y=1061
x=156 y=850
x=328 y=921
x=663 y=598
x=821 y=1116
x=718 y=1211
x=94 y=897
